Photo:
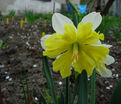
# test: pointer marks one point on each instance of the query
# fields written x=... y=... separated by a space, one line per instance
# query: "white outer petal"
x=43 y=39
x=105 y=74
x=94 y=18
x=100 y=44
x=58 y=21
x=106 y=45
x=109 y=60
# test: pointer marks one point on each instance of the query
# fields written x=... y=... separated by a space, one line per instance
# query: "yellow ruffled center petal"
x=75 y=47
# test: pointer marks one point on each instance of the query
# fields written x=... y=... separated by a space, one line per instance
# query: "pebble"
x=111 y=86
x=108 y=88
x=114 y=75
x=117 y=75
x=10 y=79
x=11 y=37
x=2 y=66
x=113 y=69
x=7 y=77
x=27 y=43
x=88 y=78
x=60 y=83
x=36 y=98
x=35 y=66
x=6 y=72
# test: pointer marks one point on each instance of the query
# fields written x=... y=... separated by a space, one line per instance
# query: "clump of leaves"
x=0 y=16
x=108 y=23
x=12 y=13
x=117 y=32
x=46 y=16
x=32 y=16
x=3 y=45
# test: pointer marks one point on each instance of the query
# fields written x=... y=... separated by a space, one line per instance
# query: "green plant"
x=108 y=23
x=116 y=96
x=81 y=88
x=11 y=13
x=117 y=32
x=1 y=99
x=69 y=98
x=3 y=45
x=46 y=16
x=0 y=16
x=32 y=17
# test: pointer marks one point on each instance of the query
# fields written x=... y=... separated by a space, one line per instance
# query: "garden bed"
x=24 y=51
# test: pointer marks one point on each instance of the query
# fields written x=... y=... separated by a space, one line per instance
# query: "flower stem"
x=93 y=87
x=83 y=88
x=73 y=7
x=67 y=91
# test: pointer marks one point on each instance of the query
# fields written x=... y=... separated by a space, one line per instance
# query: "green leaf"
x=5 y=45
x=93 y=87
x=76 y=87
x=1 y=43
x=75 y=13
x=75 y=19
x=83 y=88
x=116 y=96
x=25 y=96
x=27 y=87
x=47 y=97
x=49 y=79
x=68 y=93
x=42 y=99
x=61 y=96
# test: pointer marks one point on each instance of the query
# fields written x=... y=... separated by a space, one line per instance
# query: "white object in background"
x=33 y=5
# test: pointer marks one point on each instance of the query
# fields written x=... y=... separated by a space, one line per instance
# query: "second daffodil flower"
x=79 y=47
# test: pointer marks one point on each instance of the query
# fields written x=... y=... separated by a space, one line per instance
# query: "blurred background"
x=113 y=7
x=24 y=22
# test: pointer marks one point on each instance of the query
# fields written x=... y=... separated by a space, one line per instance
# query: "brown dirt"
x=24 y=50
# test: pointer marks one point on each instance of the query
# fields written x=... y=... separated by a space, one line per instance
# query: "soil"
x=24 y=52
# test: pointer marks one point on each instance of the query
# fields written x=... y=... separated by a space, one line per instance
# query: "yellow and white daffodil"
x=78 y=47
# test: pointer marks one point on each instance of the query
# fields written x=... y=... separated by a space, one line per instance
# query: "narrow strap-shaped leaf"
x=42 y=99
x=93 y=87
x=76 y=89
x=74 y=8
x=83 y=88
x=1 y=99
x=116 y=96
x=49 y=79
x=75 y=13
x=61 y=98
x=68 y=94
x=24 y=94
x=27 y=87
x=75 y=18
x=23 y=91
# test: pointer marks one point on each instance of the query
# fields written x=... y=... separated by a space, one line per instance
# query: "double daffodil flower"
x=79 y=47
